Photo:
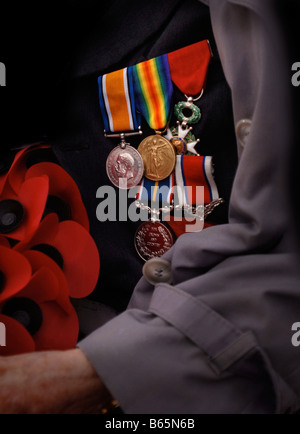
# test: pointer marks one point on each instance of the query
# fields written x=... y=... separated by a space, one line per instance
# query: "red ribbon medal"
x=196 y=193
x=199 y=56
x=191 y=82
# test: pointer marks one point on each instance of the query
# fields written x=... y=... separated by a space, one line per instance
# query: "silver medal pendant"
x=124 y=164
x=125 y=167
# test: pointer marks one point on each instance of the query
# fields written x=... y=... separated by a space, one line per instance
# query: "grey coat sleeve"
x=218 y=340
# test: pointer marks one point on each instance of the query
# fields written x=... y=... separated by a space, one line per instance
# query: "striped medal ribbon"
x=153 y=238
x=188 y=69
x=196 y=190
x=154 y=92
x=157 y=193
x=191 y=173
x=124 y=165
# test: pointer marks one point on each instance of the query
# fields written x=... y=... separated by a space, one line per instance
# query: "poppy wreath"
x=47 y=255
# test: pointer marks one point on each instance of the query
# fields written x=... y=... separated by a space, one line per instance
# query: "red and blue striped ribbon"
x=192 y=172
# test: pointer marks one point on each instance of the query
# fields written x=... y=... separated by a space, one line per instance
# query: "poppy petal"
x=47 y=229
x=24 y=310
x=42 y=287
x=16 y=270
x=33 y=196
x=4 y=242
x=3 y=179
x=81 y=258
x=18 y=339
x=17 y=172
x=38 y=260
x=81 y=262
x=62 y=186
x=59 y=330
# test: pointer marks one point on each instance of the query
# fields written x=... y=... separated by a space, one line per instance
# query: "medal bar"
x=124 y=164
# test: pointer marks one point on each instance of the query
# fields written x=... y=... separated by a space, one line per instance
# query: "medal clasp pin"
x=123 y=141
x=123 y=136
x=155 y=215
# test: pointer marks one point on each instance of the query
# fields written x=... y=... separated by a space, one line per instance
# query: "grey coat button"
x=157 y=270
x=242 y=129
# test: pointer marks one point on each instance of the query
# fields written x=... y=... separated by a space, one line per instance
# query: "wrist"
x=51 y=382
x=86 y=389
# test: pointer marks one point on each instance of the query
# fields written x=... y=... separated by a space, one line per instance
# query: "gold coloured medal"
x=159 y=157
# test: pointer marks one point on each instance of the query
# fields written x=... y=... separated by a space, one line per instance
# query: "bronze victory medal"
x=159 y=157
x=152 y=240
x=125 y=165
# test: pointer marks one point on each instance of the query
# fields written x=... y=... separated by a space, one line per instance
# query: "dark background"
x=39 y=42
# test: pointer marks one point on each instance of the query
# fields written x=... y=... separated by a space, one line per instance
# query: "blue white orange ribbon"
x=157 y=191
x=117 y=102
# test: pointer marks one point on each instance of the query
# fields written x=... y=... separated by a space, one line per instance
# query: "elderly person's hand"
x=54 y=382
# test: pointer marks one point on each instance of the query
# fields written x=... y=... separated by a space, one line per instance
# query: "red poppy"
x=18 y=169
x=63 y=192
x=23 y=211
x=36 y=309
x=53 y=258
x=17 y=339
x=73 y=248
x=3 y=178
x=4 y=242
x=15 y=272
x=39 y=260
x=5 y=186
x=4 y=174
x=59 y=329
